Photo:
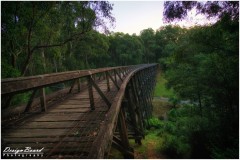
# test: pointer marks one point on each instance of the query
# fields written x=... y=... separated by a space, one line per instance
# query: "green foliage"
x=7 y=71
x=47 y=33
x=155 y=122
x=149 y=42
x=151 y=145
x=174 y=100
x=177 y=10
x=231 y=153
x=175 y=147
x=90 y=51
x=204 y=66
x=20 y=99
x=160 y=89
x=179 y=130
x=125 y=49
x=201 y=64
x=167 y=39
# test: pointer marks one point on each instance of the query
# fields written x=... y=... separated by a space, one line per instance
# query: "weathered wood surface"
x=70 y=125
x=105 y=136
x=71 y=128
x=28 y=83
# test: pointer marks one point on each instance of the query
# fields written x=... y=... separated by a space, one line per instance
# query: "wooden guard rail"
x=135 y=94
x=13 y=86
x=127 y=110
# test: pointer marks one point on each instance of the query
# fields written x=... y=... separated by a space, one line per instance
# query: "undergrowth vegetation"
x=179 y=131
x=160 y=88
x=186 y=134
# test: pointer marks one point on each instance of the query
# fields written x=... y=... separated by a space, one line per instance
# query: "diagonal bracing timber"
x=101 y=108
x=136 y=113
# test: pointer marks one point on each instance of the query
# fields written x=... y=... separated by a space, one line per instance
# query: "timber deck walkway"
x=68 y=129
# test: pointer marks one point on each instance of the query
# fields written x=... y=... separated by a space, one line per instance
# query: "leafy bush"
x=156 y=123
x=231 y=153
x=172 y=115
x=176 y=147
x=20 y=99
x=174 y=100
x=184 y=133
x=8 y=71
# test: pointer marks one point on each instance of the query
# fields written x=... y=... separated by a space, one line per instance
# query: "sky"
x=134 y=16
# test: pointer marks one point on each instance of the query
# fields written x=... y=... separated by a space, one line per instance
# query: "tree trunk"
x=200 y=103
x=26 y=64
x=14 y=61
x=55 y=65
x=44 y=62
x=70 y=49
x=86 y=61
x=29 y=51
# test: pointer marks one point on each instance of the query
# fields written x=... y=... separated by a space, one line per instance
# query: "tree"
x=125 y=49
x=203 y=68
x=91 y=48
x=177 y=10
x=27 y=27
x=148 y=38
x=167 y=40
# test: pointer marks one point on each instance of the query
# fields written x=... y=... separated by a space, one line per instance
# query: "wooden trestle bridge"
x=100 y=109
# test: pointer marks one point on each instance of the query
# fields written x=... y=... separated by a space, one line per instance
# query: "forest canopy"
x=47 y=33
x=204 y=67
x=200 y=63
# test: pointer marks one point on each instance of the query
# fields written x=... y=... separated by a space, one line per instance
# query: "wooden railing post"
x=118 y=74
x=79 y=84
x=104 y=98
x=94 y=77
x=108 y=85
x=127 y=152
x=43 y=99
x=115 y=75
x=30 y=101
x=132 y=107
x=137 y=100
x=114 y=81
x=90 y=92
x=123 y=129
x=72 y=86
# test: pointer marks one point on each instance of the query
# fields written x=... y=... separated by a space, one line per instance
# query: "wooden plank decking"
x=102 y=108
x=66 y=130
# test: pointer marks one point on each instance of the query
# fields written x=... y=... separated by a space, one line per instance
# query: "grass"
x=160 y=107
x=152 y=144
x=115 y=154
x=150 y=148
x=160 y=89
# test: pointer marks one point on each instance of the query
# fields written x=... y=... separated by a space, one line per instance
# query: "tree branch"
x=29 y=53
x=58 y=44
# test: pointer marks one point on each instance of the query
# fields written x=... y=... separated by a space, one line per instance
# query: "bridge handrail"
x=22 y=84
x=107 y=127
x=112 y=115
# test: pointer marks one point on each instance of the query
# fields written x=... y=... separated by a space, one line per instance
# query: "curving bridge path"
x=90 y=112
